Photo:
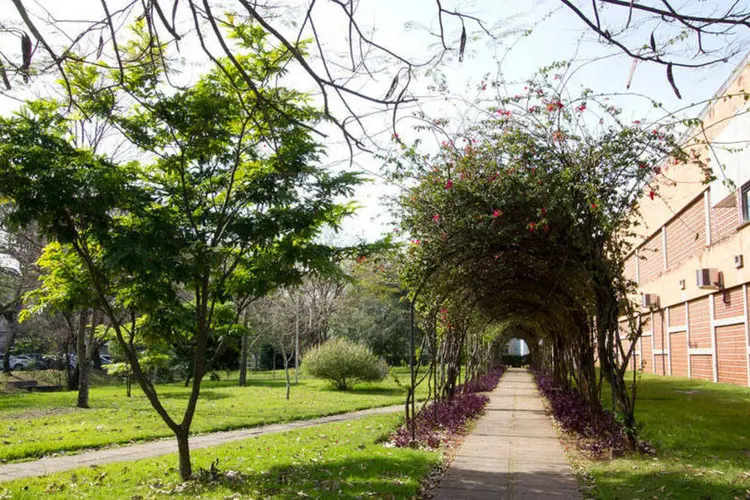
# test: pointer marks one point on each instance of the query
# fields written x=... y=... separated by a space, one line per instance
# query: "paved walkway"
x=513 y=452
x=51 y=465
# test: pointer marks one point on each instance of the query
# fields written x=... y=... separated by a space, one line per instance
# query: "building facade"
x=689 y=259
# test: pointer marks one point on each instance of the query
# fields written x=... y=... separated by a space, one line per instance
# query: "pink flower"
x=497 y=213
x=436 y=217
x=581 y=108
x=449 y=184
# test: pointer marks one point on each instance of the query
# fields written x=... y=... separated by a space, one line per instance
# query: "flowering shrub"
x=598 y=431
x=483 y=383
x=442 y=421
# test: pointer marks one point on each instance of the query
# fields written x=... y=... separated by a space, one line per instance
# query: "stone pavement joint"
x=51 y=465
x=513 y=452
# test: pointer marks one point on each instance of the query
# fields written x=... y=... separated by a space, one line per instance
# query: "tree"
x=18 y=274
x=66 y=289
x=351 y=81
x=374 y=309
x=226 y=201
x=345 y=364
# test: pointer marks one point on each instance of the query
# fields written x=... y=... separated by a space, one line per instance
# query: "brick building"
x=690 y=256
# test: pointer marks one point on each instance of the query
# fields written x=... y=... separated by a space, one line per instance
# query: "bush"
x=442 y=421
x=345 y=363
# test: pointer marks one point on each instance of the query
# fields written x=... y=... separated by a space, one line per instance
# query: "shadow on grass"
x=378 y=477
x=635 y=484
x=206 y=394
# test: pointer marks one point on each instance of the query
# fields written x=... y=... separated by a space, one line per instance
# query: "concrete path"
x=51 y=465
x=513 y=453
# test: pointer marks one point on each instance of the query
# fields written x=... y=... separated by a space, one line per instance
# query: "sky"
x=550 y=33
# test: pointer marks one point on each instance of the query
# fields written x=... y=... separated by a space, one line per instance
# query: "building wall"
x=694 y=224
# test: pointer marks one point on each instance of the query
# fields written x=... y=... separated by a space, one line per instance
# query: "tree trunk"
x=243 y=360
x=296 y=347
x=83 y=365
x=183 y=449
x=286 y=370
x=6 y=359
x=129 y=383
x=12 y=321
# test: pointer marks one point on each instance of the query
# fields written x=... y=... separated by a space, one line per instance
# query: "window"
x=745 y=196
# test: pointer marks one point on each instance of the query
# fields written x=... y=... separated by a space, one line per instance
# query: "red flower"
x=449 y=184
x=532 y=226
x=593 y=206
x=554 y=106
x=652 y=194
x=436 y=217
x=497 y=213
x=544 y=211
x=657 y=170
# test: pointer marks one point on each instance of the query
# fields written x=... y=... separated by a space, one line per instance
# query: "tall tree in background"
x=18 y=275
x=226 y=203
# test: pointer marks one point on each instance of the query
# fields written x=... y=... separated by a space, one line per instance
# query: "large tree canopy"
x=223 y=205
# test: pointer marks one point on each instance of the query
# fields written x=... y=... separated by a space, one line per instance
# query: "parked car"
x=20 y=362
x=105 y=359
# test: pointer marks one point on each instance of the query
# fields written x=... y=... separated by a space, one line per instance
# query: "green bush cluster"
x=345 y=363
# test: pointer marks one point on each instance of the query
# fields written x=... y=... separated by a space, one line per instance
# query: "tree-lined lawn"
x=701 y=432
x=340 y=460
x=38 y=424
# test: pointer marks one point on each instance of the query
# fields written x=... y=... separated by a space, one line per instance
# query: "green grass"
x=38 y=424
x=701 y=432
x=341 y=460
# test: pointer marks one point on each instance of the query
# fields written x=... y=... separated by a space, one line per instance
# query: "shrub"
x=345 y=363
x=485 y=382
x=598 y=431
x=441 y=421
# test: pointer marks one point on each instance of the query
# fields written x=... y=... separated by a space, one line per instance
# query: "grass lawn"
x=37 y=424
x=701 y=432
x=341 y=460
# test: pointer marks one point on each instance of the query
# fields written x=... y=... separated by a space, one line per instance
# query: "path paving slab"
x=513 y=452
x=51 y=465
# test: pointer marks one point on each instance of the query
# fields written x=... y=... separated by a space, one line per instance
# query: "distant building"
x=516 y=347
